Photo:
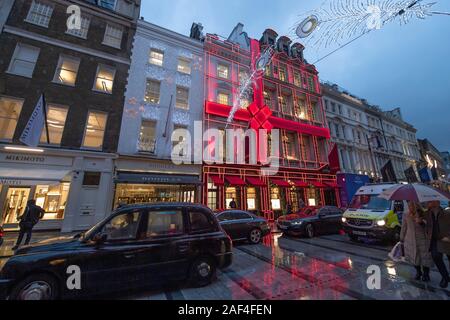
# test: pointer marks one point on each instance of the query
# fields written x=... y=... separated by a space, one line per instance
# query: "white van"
x=369 y=216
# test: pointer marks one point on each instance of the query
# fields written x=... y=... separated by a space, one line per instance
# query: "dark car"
x=242 y=225
x=326 y=220
x=1 y=235
x=136 y=247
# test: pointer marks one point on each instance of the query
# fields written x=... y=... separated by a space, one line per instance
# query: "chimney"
x=269 y=37
x=284 y=45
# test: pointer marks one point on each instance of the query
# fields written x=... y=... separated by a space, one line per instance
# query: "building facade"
x=164 y=94
x=432 y=159
x=286 y=96
x=82 y=72
x=367 y=137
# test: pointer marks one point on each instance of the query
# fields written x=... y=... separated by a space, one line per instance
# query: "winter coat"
x=443 y=230
x=31 y=216
x=416 y=239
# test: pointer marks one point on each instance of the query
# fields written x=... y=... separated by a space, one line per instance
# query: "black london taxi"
x=136 y=247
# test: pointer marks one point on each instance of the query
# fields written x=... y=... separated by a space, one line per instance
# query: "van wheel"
x=255 y=236
x=310 y=231
x=202 y=272
x=36 y=287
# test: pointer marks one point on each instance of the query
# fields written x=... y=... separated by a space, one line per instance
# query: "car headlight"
x=381 y=223
x=344 y=220
x=297 y=223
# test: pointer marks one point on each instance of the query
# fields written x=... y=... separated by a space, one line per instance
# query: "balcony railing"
x=147 y=145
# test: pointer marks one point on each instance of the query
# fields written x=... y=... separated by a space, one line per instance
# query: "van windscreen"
x=370 y=202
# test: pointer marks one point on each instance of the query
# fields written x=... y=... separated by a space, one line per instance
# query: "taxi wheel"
x=255 y=236
x=310 y=233
x=36 y=287
x=202 y=272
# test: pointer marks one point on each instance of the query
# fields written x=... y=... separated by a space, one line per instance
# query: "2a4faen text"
x=226 y=310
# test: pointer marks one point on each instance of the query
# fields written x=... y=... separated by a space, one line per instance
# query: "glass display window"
x=53 y=199
x=275 y=198
x=251 y=198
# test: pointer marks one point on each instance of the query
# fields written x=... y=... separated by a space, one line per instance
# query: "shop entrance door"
x=15 y=204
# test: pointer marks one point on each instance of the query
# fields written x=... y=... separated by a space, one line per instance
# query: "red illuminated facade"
x=287 y=97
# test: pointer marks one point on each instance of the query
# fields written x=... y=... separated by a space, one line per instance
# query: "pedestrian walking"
x=28 y=220
x=439 y=222
x=416 y=239
x=289 y=209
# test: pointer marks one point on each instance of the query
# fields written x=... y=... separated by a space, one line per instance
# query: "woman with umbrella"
x=417 y=232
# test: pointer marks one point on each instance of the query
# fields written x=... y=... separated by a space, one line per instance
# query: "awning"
x=235 y=181
x=300 y=184
x=256 y=182
x=216 y=180
x=31 y=177
x=142 y=178
x=281 y=183
x=318 y=184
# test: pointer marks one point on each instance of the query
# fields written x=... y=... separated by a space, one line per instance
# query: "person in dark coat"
x=28 y=220
x=439 y=223
x=289 y=209
x=233 y=204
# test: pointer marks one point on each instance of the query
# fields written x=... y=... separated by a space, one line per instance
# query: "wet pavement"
x=325 y=268
x=284 y=268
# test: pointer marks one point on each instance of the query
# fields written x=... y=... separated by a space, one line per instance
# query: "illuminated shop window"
x=40 y=14
x=182 y=98
x=251 y=198
x=53 y=199
x=56 y=120
x=147 y=137
x=223 y=71
x=95 y=130
x=184 y=66
x=113 y=36
x=275 y=198
x=230 y=194
x=313 y=195
x=212 y=196
x=152 y=91
x=24 y=60
x=156 y=57
x=104 y=80
x=9 y=114
x=84 y=28
x=66 y=72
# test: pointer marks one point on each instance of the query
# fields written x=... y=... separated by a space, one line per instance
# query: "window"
x=108 y=4
x=182 y=98
x=95 y=130
x=268 y=70
x=268 y=99
x=91 y=179
x=24 y=60
x=282 y=74
x=84 y=28
x=9 y=114
x=56 y=120
x=212 y=196
x=297 y=79
x=311 y=85
x=286 y=106
x=181 y=141
x=300 y=109
x=200 y=222
x=147 y=137
x=104 y=79
x=152 y=91
x=317 y=111
x=223 y=98
x=223 y=71
x=156 y=57
x=290 y=140
x=184 y=66
x=113 y=36
x=53 y=199
x=164 y=223
x=39 y=14
x=240 y=215
x=122 y=227
x=66 y=72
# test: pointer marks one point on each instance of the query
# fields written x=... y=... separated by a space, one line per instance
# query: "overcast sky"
x=398 y=66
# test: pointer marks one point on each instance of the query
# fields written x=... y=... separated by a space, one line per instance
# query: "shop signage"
x=23 y=183
x=156 y=179
x=35 y=159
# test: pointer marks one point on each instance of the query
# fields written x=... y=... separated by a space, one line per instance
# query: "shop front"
x=141 y=181
x=266 y=196
x=56 y=180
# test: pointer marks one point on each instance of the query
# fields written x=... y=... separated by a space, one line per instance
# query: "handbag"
x=397 y=254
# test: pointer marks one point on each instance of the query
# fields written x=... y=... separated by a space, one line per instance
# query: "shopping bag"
x=398 y=253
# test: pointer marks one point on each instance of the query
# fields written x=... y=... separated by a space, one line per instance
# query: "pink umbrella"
x=414 y=192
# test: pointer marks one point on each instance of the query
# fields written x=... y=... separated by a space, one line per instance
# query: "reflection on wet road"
x=325 y=268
